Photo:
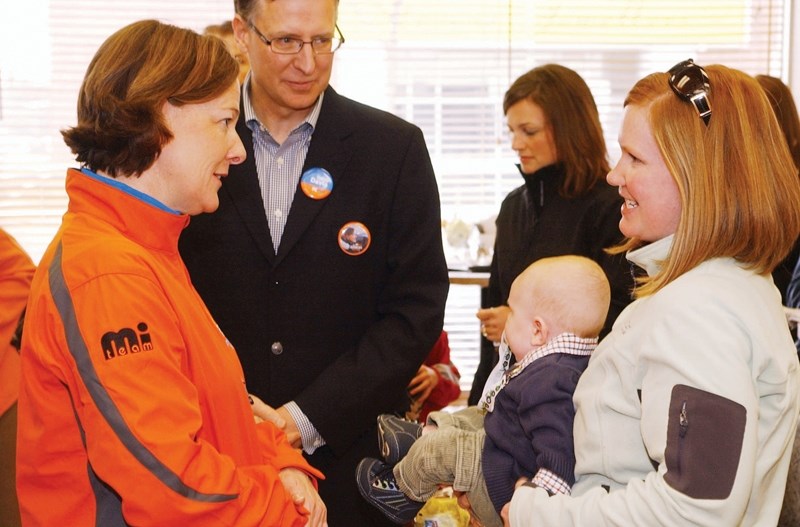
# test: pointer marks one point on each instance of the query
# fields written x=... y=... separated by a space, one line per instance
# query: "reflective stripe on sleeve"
x=102 y=400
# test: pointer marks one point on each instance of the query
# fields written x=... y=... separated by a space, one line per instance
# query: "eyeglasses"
x=292 y=45
x=690 y=82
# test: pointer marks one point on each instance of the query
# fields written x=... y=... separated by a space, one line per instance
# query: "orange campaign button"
x=354 y=238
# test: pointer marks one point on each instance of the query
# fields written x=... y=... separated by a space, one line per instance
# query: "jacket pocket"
x=705 y=433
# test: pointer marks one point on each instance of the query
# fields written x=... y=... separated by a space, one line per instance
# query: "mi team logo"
x=126 y=341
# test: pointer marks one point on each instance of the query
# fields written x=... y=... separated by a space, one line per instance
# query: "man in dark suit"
x=328 y=335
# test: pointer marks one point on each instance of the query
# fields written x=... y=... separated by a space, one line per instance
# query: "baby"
x=522 y=427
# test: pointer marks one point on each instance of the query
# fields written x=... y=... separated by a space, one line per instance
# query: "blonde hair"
x=571 y=293
x=737 y=182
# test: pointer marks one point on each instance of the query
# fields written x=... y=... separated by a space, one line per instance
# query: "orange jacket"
x=16 y=272
x=134 y=404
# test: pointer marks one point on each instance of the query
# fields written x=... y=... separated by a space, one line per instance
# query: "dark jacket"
x=530 y=427
x=339 y=334
x=535 y=222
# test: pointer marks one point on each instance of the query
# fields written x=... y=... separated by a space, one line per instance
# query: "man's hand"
x=305 y=496
x=263 y=412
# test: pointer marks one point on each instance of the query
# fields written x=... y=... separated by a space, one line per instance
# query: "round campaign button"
x=354 y=238
x=316 y=183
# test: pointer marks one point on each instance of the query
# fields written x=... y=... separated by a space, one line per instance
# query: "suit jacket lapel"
x=245 y=194
x=329 y=150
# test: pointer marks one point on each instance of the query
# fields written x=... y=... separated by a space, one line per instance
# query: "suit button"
x=276 y=348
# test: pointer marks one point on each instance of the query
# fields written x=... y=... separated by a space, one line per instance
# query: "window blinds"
x=442 y=64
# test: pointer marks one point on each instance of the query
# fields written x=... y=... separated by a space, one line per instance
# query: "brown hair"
x=738 y=186
x=572 y=114
x=121 y=129
x=245 y=8
x=780 y=97
x=224 y=29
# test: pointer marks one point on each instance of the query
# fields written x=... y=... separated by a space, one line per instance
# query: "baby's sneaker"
x=377 y=484
x=395 y=436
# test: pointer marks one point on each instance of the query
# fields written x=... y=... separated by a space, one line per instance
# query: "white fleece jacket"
x=687 y=411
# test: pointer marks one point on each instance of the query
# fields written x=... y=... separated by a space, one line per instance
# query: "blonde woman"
x=687 y=411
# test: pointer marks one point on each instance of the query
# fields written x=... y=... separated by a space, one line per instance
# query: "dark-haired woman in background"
x=565 y=205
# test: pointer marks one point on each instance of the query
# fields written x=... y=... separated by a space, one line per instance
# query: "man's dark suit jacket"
x=339 y=334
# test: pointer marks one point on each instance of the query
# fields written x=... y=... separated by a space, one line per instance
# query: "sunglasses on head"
x=690 y=82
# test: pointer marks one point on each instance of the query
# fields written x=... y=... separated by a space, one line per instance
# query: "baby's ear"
x=539 y=332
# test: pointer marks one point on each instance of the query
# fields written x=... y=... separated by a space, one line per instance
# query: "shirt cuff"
x=550 y=482
x=309 y=436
